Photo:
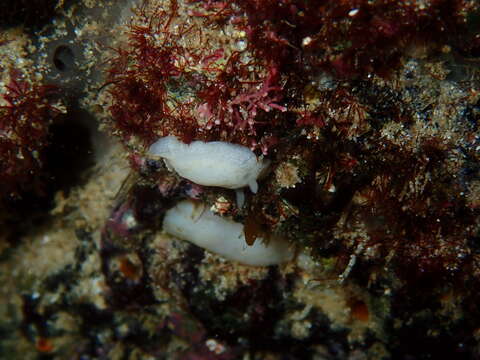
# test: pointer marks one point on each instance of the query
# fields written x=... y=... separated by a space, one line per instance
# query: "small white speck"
x=353 y=12
x=306 y=41
x=215 y=346
x=241 y=45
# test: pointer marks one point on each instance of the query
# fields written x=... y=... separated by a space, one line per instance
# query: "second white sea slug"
x=192 y=222
x=214 y=163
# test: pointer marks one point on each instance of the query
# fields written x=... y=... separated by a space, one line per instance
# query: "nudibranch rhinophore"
x=190 y=221
x=214 y=163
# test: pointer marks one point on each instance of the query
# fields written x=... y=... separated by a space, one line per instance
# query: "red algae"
x=314 y=83
x=25 y=118
x=176 y=79
x=351 y=38
x=368 y=115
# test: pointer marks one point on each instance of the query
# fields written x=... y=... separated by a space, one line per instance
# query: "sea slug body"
x=222 y=236
x=214 y=163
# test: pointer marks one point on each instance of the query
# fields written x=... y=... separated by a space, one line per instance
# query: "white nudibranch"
x=192 y=222
x=214 y=163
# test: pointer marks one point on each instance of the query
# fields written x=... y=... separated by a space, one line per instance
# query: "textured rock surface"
x=374 y=180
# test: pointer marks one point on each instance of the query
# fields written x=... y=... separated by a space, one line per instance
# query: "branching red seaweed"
x=24 y=121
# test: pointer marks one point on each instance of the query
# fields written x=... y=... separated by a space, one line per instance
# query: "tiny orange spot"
x=447 y=297
x=359 y=311
x=128 y=270
x=44 y=345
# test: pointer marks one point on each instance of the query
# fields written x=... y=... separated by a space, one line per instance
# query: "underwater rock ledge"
x=321 y=158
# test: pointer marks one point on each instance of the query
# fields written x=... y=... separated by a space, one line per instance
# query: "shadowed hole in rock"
x=64 y=58
x=66 y=161
x=71 y=151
